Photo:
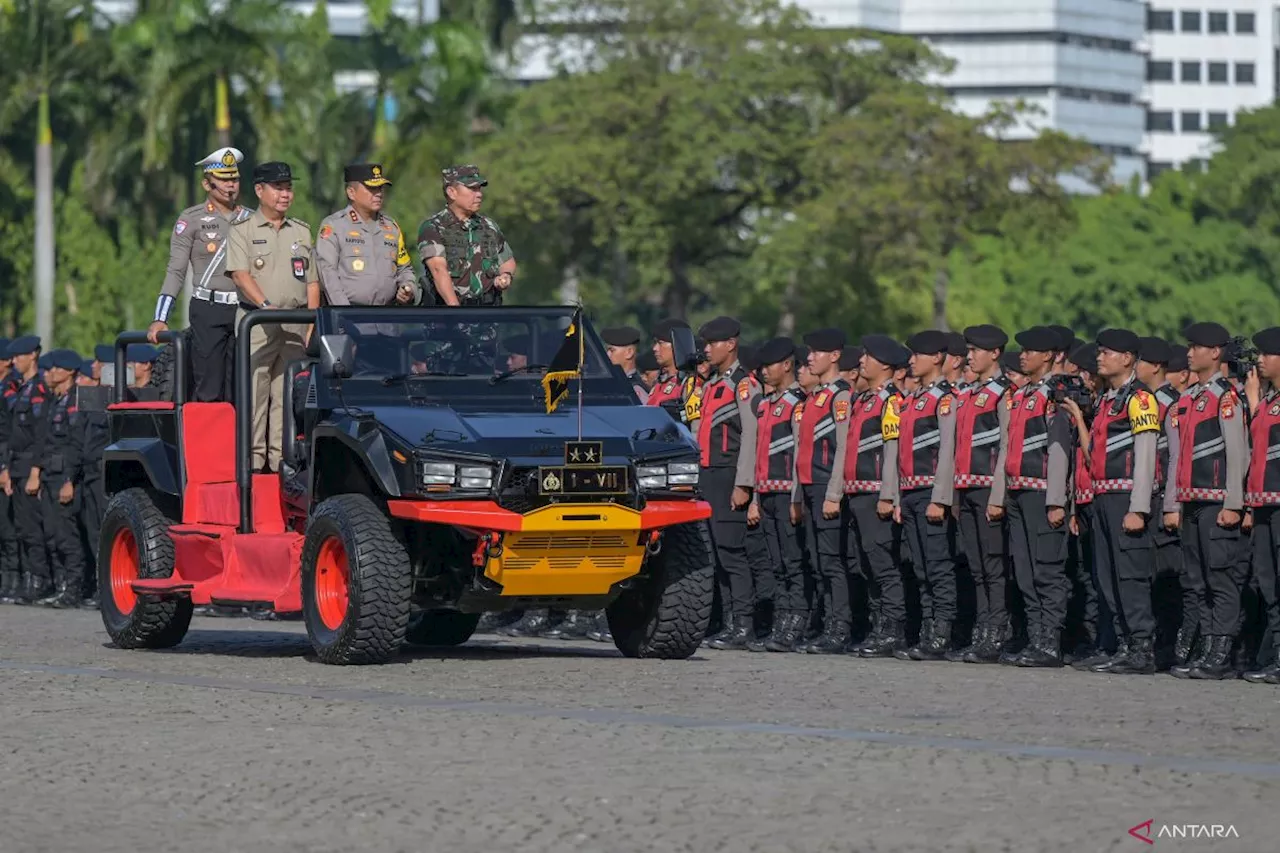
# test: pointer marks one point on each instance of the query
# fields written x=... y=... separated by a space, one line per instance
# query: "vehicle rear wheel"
x=134 y=544
x=442 y=628
x=666 y=614
x=356 y=583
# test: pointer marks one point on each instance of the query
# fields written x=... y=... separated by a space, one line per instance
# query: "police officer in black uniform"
x=19 y=471
x=93 y=501
x=10 y=573
x=59 y=456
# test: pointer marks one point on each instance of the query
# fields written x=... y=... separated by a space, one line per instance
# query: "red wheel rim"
x=333 y=579
x=124 y=570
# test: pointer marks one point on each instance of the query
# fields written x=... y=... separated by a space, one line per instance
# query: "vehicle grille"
x=519 y=493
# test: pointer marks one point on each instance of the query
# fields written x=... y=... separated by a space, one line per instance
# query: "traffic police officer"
x=620 y=343
x=19 y=469
x=465 y=258
x=1262 y=491
x=360 y=252
x=199 y=243
x=59 y=455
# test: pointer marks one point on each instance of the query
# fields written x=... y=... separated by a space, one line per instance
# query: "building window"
x=1156 y=169
x=1245 y=74
x=1191 y=72
x=1218 y=121
x=1218 y=72
x=1219 y=22
x=1160 y=121
x=1191 y=122
x=1160 y=20
x=1160 y=71
x=1190 y=22
x=1246 y=23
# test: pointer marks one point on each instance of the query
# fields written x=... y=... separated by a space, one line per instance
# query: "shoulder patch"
x=180 y=226
x=1227 y=408
x=944 y=405
x=326 y=231
x=744 y=389
x=1144 y=415
x=842 y=410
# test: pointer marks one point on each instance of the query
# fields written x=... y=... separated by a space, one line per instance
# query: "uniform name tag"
x=259 y=242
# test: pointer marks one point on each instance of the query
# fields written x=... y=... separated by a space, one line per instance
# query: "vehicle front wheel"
x=356 y=583
x=442 y=628
x=666 y=614
x=134 y=544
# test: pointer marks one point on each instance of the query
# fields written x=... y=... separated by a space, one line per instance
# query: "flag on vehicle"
x=566 y=364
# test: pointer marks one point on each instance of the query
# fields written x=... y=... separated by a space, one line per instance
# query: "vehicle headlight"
x=682 y=476
x=443 y=475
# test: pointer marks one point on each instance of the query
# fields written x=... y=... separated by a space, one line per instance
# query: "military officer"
x=465 y=258
x=59 y=456
x=620 y=342
x=269 y=257
x=19 y=469
x=198 y=243
x=360 y=252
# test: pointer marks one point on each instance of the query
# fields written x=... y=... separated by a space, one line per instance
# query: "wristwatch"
x=266 y=303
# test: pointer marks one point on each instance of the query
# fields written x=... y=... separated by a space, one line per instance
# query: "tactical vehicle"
x=423 y=484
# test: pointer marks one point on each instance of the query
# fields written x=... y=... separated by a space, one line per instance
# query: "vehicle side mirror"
x=337 y=356
x=683 y=350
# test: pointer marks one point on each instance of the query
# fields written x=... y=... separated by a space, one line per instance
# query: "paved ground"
x=237 y=741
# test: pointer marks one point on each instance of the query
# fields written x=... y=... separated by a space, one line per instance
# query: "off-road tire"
x=378 y=585
x=143 y=531
x=441 y=628
x=666 y=614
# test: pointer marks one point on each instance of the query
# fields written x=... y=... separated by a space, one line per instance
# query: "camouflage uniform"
x=474 y=248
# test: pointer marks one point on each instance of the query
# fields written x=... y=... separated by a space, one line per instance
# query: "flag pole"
x=581 y=348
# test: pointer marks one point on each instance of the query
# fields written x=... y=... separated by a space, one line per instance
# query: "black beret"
x=4 y=347
x=662 y=329
x=45 y=361
x=86 y=367
x=928 y=342
x=1120 y=340
x=1085 y=357
x=986 y=336
x=1011 y=361
x=1039 y=339
x=699 y=343
x=1207 y=334
x=802 y=356
x=886 y=350
x=620 y=336
x=141 y=353
x=1177 y=358
x=1066 y=337
x=24 y=345
x=956 y=344
x=825 y=340
x=647 y=361
x=518 y=344
x=1268 y=341
x=850 y=358
x=272 y=173
x=720 y=329
x=1154 y=350
x=67 y=359
x=748 y=357
x=104 y=353
x=775 y=350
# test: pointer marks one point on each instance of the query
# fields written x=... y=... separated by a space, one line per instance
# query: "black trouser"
x=983 y=541
x=876 y=542
x=92 y=505
x=213 y=336
x=8 y=535
x=729 y=536
x=1126 y=566
x=826 y=538
x=62 y=528
x=1176 y=607
x=1266 y=566
x=1213 y=566
x=1085 y=604
x=932 y=549
x=785 y=555
x=762 y=566
x=27 y=517
x=1039 y=555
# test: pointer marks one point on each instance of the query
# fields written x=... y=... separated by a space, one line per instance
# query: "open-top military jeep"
x=423 y=484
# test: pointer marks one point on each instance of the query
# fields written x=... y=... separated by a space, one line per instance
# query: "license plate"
x=584 y=480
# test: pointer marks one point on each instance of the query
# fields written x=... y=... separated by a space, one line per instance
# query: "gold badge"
x=551 y=483
x=228 y=159
x=358 y=265
x=377 y=171
x=353 y=233
x=211 y=248
x=259 y=263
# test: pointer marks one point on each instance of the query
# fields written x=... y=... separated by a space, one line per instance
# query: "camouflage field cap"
x=467 y=175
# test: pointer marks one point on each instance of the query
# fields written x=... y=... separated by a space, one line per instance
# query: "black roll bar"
x=176 y=339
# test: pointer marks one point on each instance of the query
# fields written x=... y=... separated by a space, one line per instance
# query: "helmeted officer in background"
x=620 y=344
x=360 y=252
x=1262 y=491
x=19 y=468
x=199 y=243
x=60 y=457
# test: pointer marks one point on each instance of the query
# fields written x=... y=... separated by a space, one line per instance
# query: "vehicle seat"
x=210 y=495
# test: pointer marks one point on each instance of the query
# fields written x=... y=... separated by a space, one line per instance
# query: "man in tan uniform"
x=360 y=253
x=269 y=257
x=198 y=242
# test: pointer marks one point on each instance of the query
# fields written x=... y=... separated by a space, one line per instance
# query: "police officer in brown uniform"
x=1212 y=460
x=360 y=251
x=269 y=257
x=199 y=243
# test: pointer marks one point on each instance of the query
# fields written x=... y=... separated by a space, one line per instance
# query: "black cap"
x=86 y=367
x=620 y=336
x=104 y=353
x=4 y=347
x=1177 y=358
x=1268 y=341
x=1154 y=350
x=272 y=173
x=748 y=357
x=1011 y=361
x=517 y=344
x=775 y=350
x=1120 y=340
x=24 y=345
x=928 y=342
x=886 y=350
x=67 y=359
x=851 y=357
x=1085 y=357
x=140 y=353
x=1039 y=339
x=647 y=361
x=1066 y=337
x=1207 y=335
x=720 y=329
x=369 y=174
x=662 y=329
x=45 y=362
x=957 y=345
x=825 y=340
x=986 y=336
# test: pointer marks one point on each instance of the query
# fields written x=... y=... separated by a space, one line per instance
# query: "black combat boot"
x=833 y=640
x=1216 y=664
x=987 y=649
x=1183 y=645
x=9 y=587
x=599 y=630
x=737 y=639
x=1267 y=674
x=573 y=626
x=36 y=589
x=870 y=639
x=1198 y=651
x=54 y=593
x=781 y=620
x=939 y=642
x=785 y=639
x=1101 y=657
x=1135 y=657
x=887 y=642
x=979 y=634
x=1045 y=651
x=529 y=625
x=926 y=634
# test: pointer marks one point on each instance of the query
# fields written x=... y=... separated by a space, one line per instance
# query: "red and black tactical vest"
x=816 y=434
x=776 y=440
x=1166 y=398
x=1027 y=462
x=978 y=432
x=1263 y=486
x=919 y=436
x=1202 y=448
x=864 y=455
x=1112 y=435
x=667 y=390
x=719 y=425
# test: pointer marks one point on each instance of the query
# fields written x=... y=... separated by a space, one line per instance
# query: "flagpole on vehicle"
x=581 y=348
